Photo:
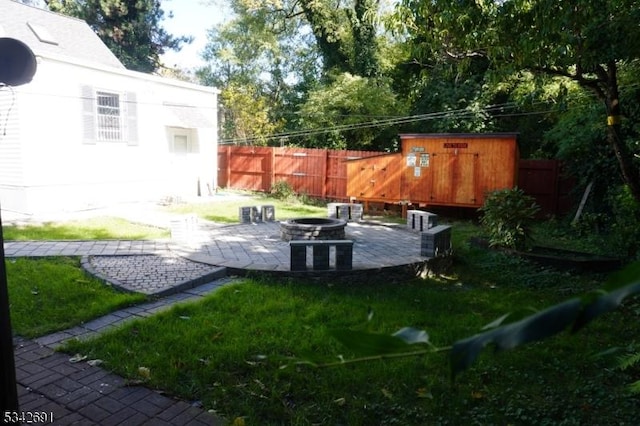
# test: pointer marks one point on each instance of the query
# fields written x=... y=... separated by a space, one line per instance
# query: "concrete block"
x=344 y=256
x=256 y=214
x=321 y=257
x=298 y=258
x=183 y=228
x=435 y=241
x=245 y=214
x=345 y=211
x=321 y=254
x=268 y=213
x=420 y=221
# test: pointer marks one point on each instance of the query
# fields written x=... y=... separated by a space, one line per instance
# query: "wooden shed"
x=437 y=169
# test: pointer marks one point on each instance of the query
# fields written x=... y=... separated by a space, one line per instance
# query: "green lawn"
x=101 y=228
x=52 y=294
x=213 y=351
x=228 y=211
x=236 y=350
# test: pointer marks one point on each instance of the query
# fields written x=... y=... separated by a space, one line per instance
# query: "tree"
x=130 y=28
x=345 y=33
x=334 y=114
x=287 y=49
x=264 y=53
x=246 y=116
x=585 y=41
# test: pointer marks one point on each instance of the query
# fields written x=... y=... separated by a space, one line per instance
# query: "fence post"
x=228 y=171
x=272 y=167
x=325 y=172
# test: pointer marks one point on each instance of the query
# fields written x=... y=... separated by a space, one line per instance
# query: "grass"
x=211 y=351
x=232 y=351
x=228 y=211
x=110 y=228
x=52 y=294
x=101 y=228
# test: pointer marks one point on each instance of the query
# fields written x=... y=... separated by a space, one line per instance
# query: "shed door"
x=416 y=179
x=453 y=178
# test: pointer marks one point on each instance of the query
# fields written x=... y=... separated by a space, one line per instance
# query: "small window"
x=109 y=116
x=181 y=144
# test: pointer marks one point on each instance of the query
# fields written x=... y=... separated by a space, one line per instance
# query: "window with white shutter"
x=109 y=116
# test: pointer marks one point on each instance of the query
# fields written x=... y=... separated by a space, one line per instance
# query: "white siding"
x=63 y=169
x=11 y=153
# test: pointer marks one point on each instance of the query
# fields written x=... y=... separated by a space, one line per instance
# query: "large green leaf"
x=621 y=284
x=535 y=327
x=546 y=323
x=367 y=344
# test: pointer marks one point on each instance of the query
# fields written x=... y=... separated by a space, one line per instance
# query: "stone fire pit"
x=312 y=228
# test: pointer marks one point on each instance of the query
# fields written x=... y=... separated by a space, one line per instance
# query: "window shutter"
x=88 y=115
x=132 y=118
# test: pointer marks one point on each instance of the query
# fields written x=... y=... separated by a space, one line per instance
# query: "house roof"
x=48 y=33
x=186 y=116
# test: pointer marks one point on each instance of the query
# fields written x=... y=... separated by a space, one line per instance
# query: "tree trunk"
x=323 y=25
x=630 y=173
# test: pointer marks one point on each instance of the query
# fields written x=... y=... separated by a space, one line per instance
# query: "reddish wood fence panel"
x=323 y=173
x=303 y=169
x=546 y=182
x=317 y=172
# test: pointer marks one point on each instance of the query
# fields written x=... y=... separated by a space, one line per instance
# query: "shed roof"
x=496 y=135
x=48 y=33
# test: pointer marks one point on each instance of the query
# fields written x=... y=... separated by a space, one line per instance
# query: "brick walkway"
x=81 y=394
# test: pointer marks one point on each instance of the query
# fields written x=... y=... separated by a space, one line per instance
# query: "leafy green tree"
x=588 y=42
x=246 y=116
x=345 y=33
x=264 y=48
x=341 y=108
x=286 y=50
x=130 y=28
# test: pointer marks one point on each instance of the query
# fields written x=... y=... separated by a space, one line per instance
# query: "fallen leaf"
x=340 y=401
x=95 y=362
x=77 y=358
x=424 y=393
x=144 y=372
x=477 y=395
x=386 y=393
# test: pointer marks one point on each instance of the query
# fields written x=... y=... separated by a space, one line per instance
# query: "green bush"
x=624 y=235
x=507 y=217
x=282 y=190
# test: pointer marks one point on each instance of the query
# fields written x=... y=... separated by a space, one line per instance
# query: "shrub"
x=282 y=190
x=624 y=234
x=507 y=217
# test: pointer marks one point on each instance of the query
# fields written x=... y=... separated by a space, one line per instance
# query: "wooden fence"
x=316 y=172
x=322 y=173
x=546 y=181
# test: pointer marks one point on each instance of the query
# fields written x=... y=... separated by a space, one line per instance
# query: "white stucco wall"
x=62 y=171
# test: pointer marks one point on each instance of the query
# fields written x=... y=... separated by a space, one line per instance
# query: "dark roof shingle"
x=60 y=35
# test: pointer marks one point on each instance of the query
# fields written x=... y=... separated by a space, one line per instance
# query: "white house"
x=86 y=132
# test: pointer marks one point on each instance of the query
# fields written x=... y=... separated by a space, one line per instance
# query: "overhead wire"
x=459 y=113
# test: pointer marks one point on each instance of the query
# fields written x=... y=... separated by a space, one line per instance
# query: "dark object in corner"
x=560 y=258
